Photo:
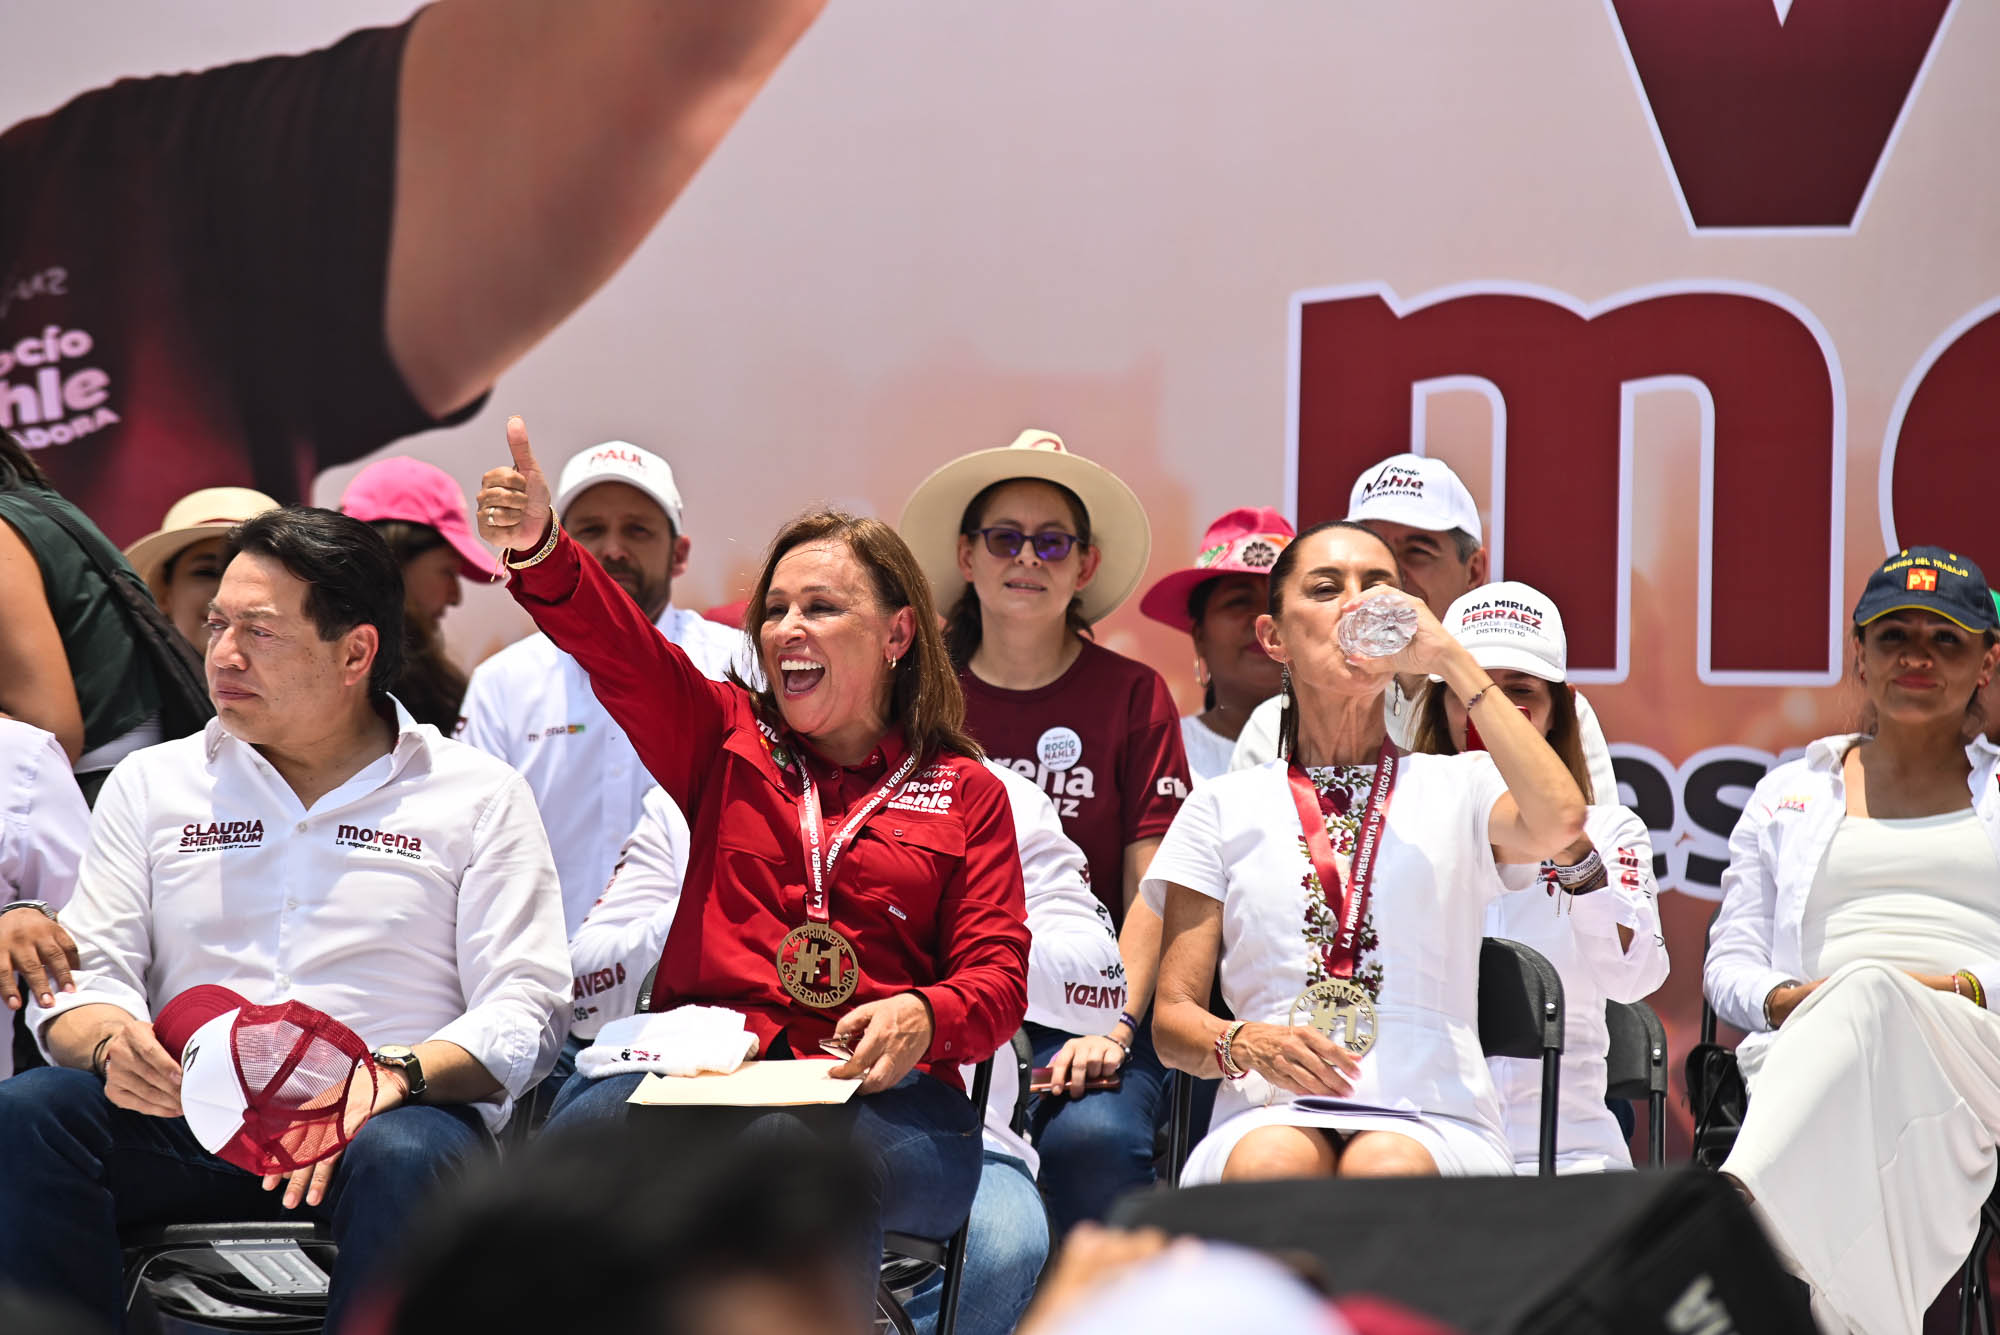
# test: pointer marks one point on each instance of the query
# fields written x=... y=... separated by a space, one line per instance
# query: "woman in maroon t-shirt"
x=1026 y=547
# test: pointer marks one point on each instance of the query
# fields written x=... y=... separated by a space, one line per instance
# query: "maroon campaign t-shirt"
x=1104 y=742
x=192 y=280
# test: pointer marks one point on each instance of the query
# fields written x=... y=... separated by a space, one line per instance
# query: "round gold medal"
x=817 y=966
x=1341 y=1009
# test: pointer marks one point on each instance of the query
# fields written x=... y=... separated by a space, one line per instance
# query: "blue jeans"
x=1005 y=1250
x=1096 y=1148
x=78 y=1170
x=920 y=1139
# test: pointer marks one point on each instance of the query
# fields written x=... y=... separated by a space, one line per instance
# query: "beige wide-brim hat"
x=195 y=517
x=1118 y=524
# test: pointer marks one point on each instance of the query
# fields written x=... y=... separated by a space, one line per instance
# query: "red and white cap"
x=1510 y=625
x=270 y=1089
x=621 y=461
x=1411 y=489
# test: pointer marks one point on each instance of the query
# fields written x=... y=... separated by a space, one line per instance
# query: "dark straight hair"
x=18 y=467
x=963 y=629
x=1281 y=570
x=351 y=577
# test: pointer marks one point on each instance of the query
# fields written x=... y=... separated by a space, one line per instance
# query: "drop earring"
x=1285 y=689
x=1200 y=671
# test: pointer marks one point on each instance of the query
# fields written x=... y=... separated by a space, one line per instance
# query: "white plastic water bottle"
x=1377 y=628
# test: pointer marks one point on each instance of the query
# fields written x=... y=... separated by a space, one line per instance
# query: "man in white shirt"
x=312 y=844
x=532 y=706
x=43 y=823
x=1076 y=984
x=1423 y=511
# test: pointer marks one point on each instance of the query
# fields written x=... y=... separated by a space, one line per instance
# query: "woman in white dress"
x=1870 y=869
x=1343 y=899
x=1217 y=601
x=1604 y=937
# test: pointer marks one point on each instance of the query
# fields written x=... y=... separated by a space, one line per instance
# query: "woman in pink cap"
x=1217 y=600
x=420 y=511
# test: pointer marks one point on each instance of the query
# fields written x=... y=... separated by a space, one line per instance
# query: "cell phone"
x=836 y=1047
x=1039 y=1081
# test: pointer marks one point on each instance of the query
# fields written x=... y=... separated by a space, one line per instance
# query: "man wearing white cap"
x=532 y=706
x=1424 y=512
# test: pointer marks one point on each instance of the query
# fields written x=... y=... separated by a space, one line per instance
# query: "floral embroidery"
x=1343 y=797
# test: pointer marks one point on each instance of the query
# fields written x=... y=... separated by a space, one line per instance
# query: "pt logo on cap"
x=1059 y=748
x=1923 y=579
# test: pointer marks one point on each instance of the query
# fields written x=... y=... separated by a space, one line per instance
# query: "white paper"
x=759 y=1084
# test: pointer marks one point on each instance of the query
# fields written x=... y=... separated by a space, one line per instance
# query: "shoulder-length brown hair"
x=1433 y=733
x=924 y=697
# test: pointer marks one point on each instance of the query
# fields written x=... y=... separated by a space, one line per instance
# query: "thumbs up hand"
x=514 y=501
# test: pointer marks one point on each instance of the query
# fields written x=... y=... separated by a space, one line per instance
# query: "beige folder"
x=773 y=1084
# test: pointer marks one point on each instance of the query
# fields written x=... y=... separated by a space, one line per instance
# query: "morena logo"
x=387 y=841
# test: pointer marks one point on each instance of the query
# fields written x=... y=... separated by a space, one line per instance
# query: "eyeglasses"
x=1006 y=542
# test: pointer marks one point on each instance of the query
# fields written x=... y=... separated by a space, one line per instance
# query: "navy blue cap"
x=1930 y=579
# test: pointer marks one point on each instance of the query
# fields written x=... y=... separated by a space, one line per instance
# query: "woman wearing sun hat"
x=181 y=561
x=1217 y=601
x=1858 y=947
x=1027 y=546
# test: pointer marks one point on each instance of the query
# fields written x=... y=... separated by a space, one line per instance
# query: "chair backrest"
x=1637 y=1063
x=1520 y=1001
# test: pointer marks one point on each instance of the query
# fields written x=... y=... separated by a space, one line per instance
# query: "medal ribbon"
x=820 y=864
x=1341 y=955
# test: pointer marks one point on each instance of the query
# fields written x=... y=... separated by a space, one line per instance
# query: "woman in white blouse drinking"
x=1342 y=894
x=1870 y=869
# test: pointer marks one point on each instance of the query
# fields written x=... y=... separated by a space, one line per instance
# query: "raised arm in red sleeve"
x=674 y=715
x=982 y=932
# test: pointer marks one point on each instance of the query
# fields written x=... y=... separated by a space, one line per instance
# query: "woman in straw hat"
x=1217 y=601
x=1027 y=546
x=181 y=561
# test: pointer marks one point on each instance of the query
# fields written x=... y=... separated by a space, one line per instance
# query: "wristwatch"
x=38 y=905
x=405 y=1061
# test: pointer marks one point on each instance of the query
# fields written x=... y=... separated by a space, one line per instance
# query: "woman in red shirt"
x=852 y=871
x=1028 y=546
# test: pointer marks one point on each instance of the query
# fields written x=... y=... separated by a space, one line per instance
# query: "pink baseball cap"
x=270 y=1089
x=1242 y=542
x=421 y=493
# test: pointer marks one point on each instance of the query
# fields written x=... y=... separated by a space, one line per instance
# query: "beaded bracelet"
x=1230 y=1070
x=1974 y=990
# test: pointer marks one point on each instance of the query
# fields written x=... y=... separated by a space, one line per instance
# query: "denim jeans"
x=78 y=1170
x=1005 y=1250
x=920 y=1139
x=1096 y=1148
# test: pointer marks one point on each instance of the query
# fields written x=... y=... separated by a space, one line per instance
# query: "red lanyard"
x=809 y=831
x=1341 y=954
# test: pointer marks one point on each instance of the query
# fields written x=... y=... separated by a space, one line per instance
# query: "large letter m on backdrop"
x=1562 y=376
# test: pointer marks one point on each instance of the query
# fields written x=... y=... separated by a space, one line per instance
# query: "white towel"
x=684 y=1041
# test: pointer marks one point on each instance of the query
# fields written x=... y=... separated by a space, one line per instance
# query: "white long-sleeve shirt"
x=531 y=705
x=417 y=901
x=1579 y=936
x=1259 y=740
x=1076 y=980
x=43 y=825
x=1775 y=853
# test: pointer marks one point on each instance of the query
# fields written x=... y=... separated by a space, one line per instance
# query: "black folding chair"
x=1636 y=1068
x=1521 y=1015
x=908 y=1260
x=251 y=1276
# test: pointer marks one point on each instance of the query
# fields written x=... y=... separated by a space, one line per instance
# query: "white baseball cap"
x=1510 y=625
x=1411 y=489
x=621 y=461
